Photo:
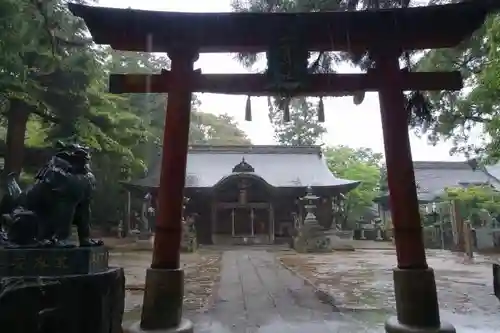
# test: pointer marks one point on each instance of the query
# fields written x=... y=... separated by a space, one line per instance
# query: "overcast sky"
x=347 y=124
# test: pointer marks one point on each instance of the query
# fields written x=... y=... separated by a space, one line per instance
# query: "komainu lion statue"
x=43 y=214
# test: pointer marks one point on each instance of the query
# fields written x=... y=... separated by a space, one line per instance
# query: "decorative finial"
x=321 y=111
x=248 y=109
x=243 y=166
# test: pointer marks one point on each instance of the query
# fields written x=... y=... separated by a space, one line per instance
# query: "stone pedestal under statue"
x=58 y=290
x=312 y=239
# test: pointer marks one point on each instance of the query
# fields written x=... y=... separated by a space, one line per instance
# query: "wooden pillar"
x=414 y=282
x=457 y=224
x=232 y=222
x=271 y=224
x=167 y=242
x=213 y=220
x=400 y=174
x=127 y=221
x=164 y=287
x=468 y=242
x=252 y=225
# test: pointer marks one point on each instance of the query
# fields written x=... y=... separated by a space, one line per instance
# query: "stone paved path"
x=256 y=294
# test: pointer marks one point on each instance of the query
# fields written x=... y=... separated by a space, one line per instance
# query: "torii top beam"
x=427 y=27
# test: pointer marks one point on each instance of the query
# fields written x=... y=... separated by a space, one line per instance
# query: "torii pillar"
x=414 y=282
x=164 y=287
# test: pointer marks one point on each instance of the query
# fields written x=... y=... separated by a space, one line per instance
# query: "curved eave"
x=144 y=186
x=324 y=189
x=139 y=187
x=135 y=186
x=411 y=28
x=349 y=186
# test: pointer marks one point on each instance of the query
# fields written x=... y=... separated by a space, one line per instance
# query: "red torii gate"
x=383 y=33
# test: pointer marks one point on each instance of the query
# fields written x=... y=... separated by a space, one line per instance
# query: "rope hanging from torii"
x=287 y=70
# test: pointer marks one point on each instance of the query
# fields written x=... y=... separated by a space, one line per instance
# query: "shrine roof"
x=411 y=28
x=279 y=166
x=433 y=177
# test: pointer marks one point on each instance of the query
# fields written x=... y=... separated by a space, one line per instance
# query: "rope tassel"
x=358 y=97
x=321 y=111
x=248 y=110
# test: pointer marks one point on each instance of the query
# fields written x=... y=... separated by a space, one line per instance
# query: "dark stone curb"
x=85 y=303
x=321 y=294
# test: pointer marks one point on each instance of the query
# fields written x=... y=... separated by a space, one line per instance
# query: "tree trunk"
x=17 y=119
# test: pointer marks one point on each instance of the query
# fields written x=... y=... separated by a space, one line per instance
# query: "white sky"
x=347 y=124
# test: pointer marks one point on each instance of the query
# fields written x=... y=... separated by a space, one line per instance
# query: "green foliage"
x=303 y=127
x=361 y=164
x=474 y=201
x=207 y=128
x=456 y=113
x=461 y=115
x=54 y=86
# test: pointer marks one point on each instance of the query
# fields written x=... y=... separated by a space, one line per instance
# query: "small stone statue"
x=188 y=240
x=43 y=215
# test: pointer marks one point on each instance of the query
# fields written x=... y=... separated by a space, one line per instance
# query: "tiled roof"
x=493 y=172
x=434 y=177
x=279 y=166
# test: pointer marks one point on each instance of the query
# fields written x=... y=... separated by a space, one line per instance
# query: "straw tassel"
x=358 y=97
x=248 y=110
x=286 y=111
x=321 y=111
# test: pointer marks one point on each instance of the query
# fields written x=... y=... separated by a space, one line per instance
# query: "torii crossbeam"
x=257 y=84
x=383 y=33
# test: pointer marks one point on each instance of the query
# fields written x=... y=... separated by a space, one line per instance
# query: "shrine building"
x=251 y=194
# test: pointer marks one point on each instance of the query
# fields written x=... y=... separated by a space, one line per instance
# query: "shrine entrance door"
x=250 y=223
x=242 y=222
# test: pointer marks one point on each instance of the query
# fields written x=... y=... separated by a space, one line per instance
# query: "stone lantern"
x=311 y=236
x=310 y=205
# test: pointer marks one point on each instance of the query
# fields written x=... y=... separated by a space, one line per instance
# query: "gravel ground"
x=361 y=284
x=201 y=274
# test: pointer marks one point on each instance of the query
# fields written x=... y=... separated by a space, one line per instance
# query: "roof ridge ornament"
x=243 y=166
